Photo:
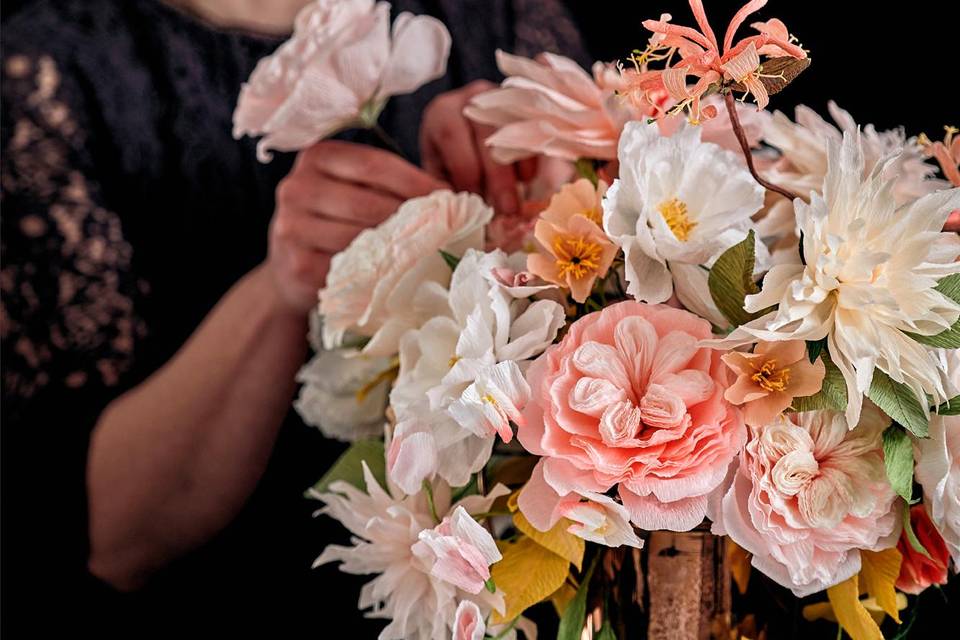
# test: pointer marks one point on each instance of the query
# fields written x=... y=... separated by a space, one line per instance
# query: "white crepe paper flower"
x=418 y=563
x=460 y=380
x=869 y=278
x=677 y=205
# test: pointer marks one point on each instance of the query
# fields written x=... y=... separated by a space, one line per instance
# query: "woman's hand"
x=452 y=148
x=335 y=190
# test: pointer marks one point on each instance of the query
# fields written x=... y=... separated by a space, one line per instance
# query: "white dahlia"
x=869 y=278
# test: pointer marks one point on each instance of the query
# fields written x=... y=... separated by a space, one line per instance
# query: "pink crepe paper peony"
x=574 y=249
x=336 y=72
x=808 y=495
x=919 y=571
x=770 y=378
x=629 y=400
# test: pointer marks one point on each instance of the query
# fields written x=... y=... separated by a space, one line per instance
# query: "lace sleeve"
x=68 y=317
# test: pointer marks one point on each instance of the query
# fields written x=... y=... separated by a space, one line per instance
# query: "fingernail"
x=507 y=203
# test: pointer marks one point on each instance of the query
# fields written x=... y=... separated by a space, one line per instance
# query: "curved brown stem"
x=742 y=139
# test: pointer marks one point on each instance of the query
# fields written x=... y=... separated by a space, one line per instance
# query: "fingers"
x=447 y=145
x=341 y=201
x=500 y=180
x=314 y=233
x=370 y=167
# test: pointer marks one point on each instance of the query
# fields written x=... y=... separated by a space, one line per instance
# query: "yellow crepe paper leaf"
x=558 y=539
x=562 y=597
x=738 y=559
x=878 y=572
x=824 y=610
x=527 y=574
x=850 y=612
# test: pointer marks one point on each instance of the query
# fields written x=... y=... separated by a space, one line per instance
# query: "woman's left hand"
x=452 y=148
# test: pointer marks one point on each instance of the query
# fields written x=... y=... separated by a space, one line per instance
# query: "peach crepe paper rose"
x=917 y=571
x=392 y=278
x=771 y=377
x=628 y=400
x=807 y=495
x=574 y=250
x=336 y=72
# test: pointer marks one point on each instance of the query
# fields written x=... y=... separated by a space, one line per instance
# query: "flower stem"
x=742 y=139
x=387 y=140
x=428 y=490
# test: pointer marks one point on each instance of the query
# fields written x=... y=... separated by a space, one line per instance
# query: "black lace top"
x=128 y=211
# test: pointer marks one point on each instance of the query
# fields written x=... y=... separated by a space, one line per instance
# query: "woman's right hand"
x=334 y=191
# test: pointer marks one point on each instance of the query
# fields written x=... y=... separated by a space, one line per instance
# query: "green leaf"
x=490 y=585
x=897 y=401
x=911 y=536
x=606 y=632
x=950 y=408
x=731 y=280
x=898 y=460
x=832 y=394
x=348 y=466
x=451 y=260
x=587 y=168
x=814 y=347
x=949 y=338
x=575 y=615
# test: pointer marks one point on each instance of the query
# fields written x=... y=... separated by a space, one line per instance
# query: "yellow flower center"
x=576 y=256
x=453 y=360
x=674 y=212
x=489 y=398
x=594 y=215
x=771 y=379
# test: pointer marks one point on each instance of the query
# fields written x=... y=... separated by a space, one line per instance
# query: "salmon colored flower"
x=919 y=571
x=770 y=378
x=575 y=251
x=946 y=153
x=702 y=58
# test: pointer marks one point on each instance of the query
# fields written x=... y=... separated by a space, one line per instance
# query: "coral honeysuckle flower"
x=770 y=378
x=946 y=153
x=702 y=57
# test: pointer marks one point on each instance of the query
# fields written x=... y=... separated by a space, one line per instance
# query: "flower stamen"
x=576 y=256
x=674 y=212
x=771 y=379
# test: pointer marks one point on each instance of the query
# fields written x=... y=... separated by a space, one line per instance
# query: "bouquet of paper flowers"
x=722 y=319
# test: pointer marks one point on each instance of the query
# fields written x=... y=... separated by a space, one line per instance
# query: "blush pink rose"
x=809 y=493
x=336 y=72
x=375 y=286
x=629 y=400
x=917 y=571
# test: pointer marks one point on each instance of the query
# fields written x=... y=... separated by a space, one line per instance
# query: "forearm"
x=172 y=461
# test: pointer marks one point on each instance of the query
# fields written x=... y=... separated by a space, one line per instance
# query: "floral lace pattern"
x=67 y=314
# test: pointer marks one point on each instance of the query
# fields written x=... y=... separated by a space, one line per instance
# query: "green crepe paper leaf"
x=832 y=394
x=911 y=536
x=587 y=168
x=814 y=347
x=950 y=408
x=731 y=280
x=949 y=338
x=451 y=260
x=348 y=466
x=898 y=460
x=897 y=401
x=575 y=615
x=606 y=632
